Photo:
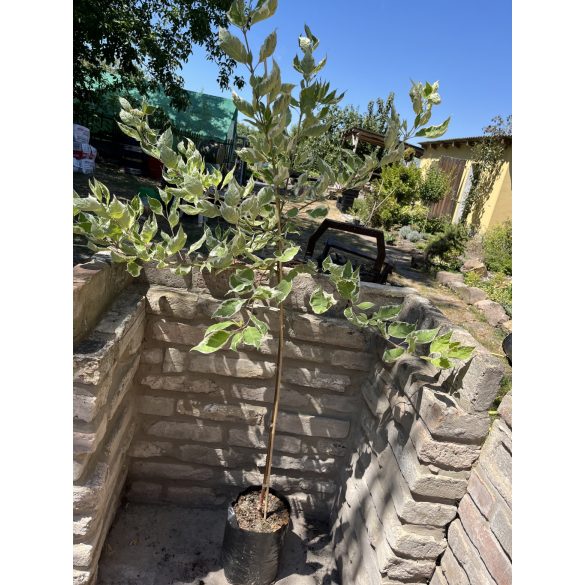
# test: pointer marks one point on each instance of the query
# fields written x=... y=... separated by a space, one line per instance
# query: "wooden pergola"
x=356 y=135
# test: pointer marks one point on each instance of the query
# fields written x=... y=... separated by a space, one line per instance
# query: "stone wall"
x=105 y=362
x=96 y=284
x=385 y=452
x=479 y=549
x=420 y=434
x=202 y=434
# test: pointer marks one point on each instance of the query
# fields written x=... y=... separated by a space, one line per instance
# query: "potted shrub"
x=252 y=244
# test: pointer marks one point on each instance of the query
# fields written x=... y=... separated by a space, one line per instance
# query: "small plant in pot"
x=252 y=242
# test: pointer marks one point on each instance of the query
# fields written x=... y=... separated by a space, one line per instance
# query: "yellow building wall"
x=498 y=207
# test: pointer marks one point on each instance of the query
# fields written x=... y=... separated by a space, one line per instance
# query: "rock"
x=493 y=312
x=444 y=277
x=474 y=265
x=418 y=259
x=470 y=294
x=507 y=326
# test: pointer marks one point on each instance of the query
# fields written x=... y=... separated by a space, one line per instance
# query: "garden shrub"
x=435 y=225
x=404 y=182
x=498 y=288
x=435 y=185
x=445 y=249
x=497 y=248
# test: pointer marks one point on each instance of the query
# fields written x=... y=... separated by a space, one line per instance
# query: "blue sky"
x=377 y=46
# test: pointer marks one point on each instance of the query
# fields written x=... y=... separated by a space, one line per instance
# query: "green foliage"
x=402 y=197
x=434 y=186
x=403 y=182
x=497 y=248
x=144 y=42
x=435 y=225
x=445 y=248
x=498 y=288
x=408 y=233
x=252 y=238
x=488 y=155
x=329 y=145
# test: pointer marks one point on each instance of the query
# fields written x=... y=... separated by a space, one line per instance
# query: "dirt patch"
x=250 y=517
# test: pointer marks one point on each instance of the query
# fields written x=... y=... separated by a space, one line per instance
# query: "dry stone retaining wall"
x=386 y=452
x=104 y=421
x=479 y=546
x=420 y=434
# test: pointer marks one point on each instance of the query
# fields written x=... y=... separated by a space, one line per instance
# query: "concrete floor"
x=170 y=545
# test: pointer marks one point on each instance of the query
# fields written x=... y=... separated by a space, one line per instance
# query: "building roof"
x=458 y=142
x=376 y=138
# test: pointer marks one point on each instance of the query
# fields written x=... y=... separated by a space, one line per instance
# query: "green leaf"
x=262 y=327
x=233 y=46
x=189 y=209
x=441 y=363
x=365 y=305
x=284 y=287
x=219 y=327
x=425 y=335
x=133 y=268
x=237 y=13
x=228 y=308
x=243 y=106
x=165 y=139
x=213 y=342
x=178 y=241
x=321 y=301
x=208 y=209
x=268 y=46
x=387 y=312
x=120 y=258
x=230 y=214
x=391 y=355
x=288 y=254
x=155 y=205
x=292 y=212
x=181 y=270
x=196 y=245
x=236 y=339
x=318 y=212
x=346 y=288
x=400 y=329
x=441 y=344
x=264 y=11
x=149 y=229
x=252 y=336
x=463 y=352
x=434 y=131
x=125 y=104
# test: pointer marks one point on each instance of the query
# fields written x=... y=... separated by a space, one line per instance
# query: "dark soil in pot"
x=251 y=545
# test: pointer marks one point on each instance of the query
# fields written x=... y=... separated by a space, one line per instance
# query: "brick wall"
x=385 y=452
x=420 y=434
x=202 y=434
x=479 y=546
x=104 y=420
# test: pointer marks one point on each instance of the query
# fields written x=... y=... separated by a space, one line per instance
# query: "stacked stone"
x=204 y=418
x=104 y=421
x=416 y=446
x=480 y=539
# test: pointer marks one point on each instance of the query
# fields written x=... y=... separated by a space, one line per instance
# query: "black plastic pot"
x=251 y=558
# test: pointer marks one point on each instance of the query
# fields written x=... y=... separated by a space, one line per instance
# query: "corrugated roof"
x=470 y=139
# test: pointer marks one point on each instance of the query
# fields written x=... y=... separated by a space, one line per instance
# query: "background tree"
x=328 y=146
x=144 y=43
